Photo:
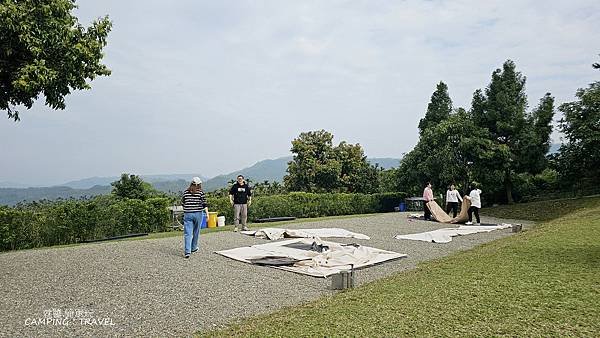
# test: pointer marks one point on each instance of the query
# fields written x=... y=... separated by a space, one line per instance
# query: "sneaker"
x=194 y=250
x=245 y=228
x=235 y=229
x=469 y=223
x=477 y=223
x=186 y=256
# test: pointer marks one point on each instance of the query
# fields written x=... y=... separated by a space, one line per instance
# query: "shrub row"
x=72 y=221
x=299 y=204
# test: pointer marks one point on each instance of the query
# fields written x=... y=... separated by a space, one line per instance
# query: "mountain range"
x=89 y=182
x=266 y=170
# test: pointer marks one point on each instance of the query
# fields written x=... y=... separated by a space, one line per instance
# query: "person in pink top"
x=427 y=197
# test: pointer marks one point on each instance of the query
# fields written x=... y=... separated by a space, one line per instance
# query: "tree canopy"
x=579 y=158
x=493 y=143
x=438 y=109
x=318 y=166
x=132 y=187
x=45 y=50
x=521 y=139
x=445 y=155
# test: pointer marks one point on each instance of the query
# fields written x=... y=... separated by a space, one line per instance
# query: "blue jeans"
x=192 y=221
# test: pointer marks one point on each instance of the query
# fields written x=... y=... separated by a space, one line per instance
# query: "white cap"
x=196 y=180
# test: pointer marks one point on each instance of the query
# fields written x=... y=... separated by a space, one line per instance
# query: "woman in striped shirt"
x=195 y=214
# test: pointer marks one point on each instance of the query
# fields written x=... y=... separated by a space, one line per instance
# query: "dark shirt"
x=240 y=193
x=193 y=202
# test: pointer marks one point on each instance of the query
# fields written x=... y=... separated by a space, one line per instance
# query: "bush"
x=46 y=223
x=302 y=205
x=63 y=222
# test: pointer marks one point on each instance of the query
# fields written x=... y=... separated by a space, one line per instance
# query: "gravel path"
x=146 y=288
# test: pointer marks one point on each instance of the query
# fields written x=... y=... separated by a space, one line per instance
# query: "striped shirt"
x=193 y=202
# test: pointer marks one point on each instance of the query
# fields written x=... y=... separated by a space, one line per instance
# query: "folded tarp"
x=441 y=216
x=438 y=213
x=277 y=233
x=333 y=258
x=445 y=235
x=463 y=216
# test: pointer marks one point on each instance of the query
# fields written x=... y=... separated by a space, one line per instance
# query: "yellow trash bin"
x=212 y=219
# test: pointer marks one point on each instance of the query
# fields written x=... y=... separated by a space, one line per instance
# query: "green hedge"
x=73 y=221
x=301 y=205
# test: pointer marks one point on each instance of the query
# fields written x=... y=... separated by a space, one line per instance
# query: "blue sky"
x=214 y=86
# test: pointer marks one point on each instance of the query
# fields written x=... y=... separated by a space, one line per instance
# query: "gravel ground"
x=146 y=287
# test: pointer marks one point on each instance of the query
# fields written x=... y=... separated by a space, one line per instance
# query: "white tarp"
x=277 y=233
x=337 y=258
x=445 y=235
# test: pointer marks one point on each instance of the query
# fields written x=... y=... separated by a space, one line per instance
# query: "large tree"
x=438 y=109
x=44 y=50
x=357 y=174
x=494 y=143
x=314 y=166
x=501 y=111
x=520 y=139
x=535 y=140
x=319 y=166
x=579 y=157
x=413 y=171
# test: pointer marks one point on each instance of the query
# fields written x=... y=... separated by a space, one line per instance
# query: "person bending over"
x=475 y=198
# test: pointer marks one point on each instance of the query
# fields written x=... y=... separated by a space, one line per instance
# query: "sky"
x=210 y=87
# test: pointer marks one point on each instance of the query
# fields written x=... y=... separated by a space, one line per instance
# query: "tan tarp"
x=441 y=216
x=463 y=216
x=437 y=212
x=338 y=257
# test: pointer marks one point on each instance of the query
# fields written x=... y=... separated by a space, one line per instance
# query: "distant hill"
x=274 y=170
x=266 y=170
x=172 y=186
x=166 y=183
x=87 y=183
x=12 y=196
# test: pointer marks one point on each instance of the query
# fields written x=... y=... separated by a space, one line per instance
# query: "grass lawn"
x=540 y=282
x=541 y=210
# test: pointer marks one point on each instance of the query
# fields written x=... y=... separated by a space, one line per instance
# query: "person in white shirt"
x=452 y=198
x=475 y=198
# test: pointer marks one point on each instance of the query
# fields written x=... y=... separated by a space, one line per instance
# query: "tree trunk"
x=508 y=188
